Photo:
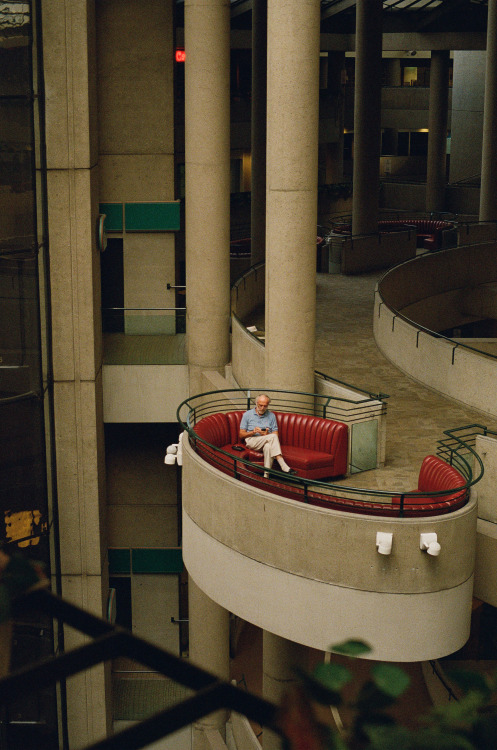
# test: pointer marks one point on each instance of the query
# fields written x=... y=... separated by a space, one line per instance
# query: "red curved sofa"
x=315 y=447
x=428 y=231
x=435 y=475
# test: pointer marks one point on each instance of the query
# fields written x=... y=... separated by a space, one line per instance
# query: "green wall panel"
x=157 y=560
x=114 y=216
x=119 y=561
x=151 y=217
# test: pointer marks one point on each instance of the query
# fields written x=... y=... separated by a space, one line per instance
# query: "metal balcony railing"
x=457 y=449
x=110 y=642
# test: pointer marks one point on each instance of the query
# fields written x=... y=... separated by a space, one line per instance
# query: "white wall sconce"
x=174 y=453
x=384 y=542
x=429 y=543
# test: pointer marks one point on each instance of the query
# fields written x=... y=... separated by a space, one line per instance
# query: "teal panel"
x=119 y=561
x=114 y=216
x=364 y=441
x=157 y=560
x=151 y=217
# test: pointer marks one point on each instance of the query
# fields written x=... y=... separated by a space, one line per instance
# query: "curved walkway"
x=345 y=349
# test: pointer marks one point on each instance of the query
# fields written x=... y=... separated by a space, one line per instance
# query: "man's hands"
x=256 y=431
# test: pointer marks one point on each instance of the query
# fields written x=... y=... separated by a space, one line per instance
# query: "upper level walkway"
x=346 y=349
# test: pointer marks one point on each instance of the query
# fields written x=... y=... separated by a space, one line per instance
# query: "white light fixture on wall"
x=430 y=543
x=384 y=542
x=174 y=453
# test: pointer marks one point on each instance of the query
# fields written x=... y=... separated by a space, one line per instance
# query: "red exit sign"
x=180 y=55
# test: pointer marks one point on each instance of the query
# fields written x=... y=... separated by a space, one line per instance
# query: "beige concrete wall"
x=467 y=114
x=486 y=540
x=72 y=195
x=367 y=253
x=316 y=591
x=486 y=447
x=485 y=568
x=247 y=356
x=136 y=142
x=143 y=393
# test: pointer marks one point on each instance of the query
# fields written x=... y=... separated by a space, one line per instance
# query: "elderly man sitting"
x=259 y=429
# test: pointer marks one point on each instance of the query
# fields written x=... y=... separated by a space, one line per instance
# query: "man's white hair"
x=262 y=395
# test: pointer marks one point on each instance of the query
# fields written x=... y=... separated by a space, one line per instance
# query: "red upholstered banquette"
x=429 y=232
x=435 y=475
x=315 y=447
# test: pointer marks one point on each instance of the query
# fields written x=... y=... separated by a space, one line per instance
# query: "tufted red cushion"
x=315 y=447
x=436 y=475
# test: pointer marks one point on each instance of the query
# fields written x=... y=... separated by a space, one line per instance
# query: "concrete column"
x=488 y=195
x=394 y=72
x=291 y=211
x=437 y=125
x=367 y=117
x=209 y=649
x=258 y=132
x=279 y=657
x=69 y=54
x=334 y=160
x=207 y=169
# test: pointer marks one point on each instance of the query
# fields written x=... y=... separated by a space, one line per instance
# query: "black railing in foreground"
x=457 y=449
x=109 y=642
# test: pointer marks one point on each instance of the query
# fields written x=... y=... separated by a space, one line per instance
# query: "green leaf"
x=470 y=681
x=351 y=648
x=317 y=691
x=371 y=699
x=332 y=740
x=458 y=713
x=390 y=679
x=401 y=738
x=388 y=737
x=332 y=676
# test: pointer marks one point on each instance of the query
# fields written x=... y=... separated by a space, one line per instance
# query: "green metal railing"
x=457 y=449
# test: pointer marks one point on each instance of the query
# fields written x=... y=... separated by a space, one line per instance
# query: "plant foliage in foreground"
x=466 y=724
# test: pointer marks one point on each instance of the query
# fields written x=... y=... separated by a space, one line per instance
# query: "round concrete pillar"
x=207 y=170
x=437 y=136
x=367 y=117
x=258 y=132
x=279 y=658
x=335 y=70
x=393 y=72
x=209 y=649
x=291 y=199
x=488 y=195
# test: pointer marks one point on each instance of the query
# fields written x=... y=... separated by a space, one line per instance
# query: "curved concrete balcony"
x=432 y=293
x=315 y=575
x=318 y=575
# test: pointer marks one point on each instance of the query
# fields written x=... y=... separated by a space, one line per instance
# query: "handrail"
x=19 y=397
x=111 y=641
x=335 y=494
x=376 y=396
x=104 y=309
